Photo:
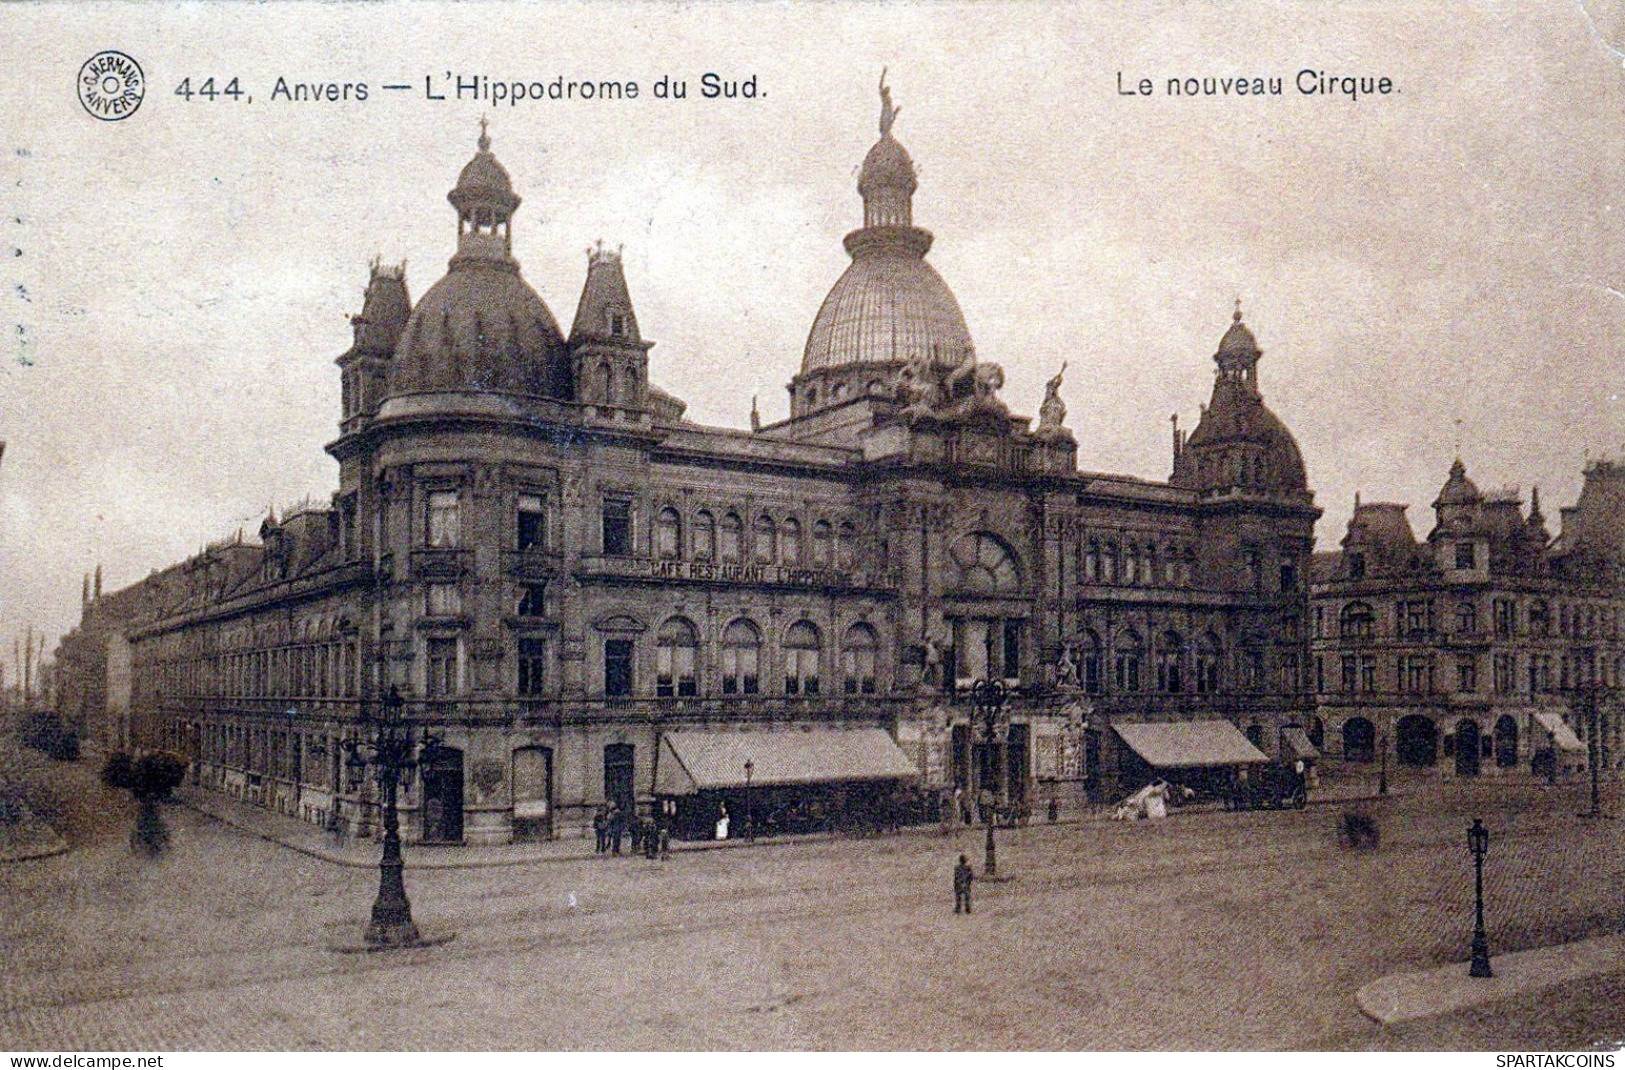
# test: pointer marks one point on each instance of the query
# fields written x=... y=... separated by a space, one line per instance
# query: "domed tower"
x=1240 y=445
x=365 y=366
x=482 y=329
x=890 y=307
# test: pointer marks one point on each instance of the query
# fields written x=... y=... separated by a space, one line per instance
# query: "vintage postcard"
x=857 y=526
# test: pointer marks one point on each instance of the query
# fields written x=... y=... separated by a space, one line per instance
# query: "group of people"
x=611 y=825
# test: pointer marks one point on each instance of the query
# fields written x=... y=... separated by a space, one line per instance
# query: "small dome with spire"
x=1458 y=489
x=481 y=327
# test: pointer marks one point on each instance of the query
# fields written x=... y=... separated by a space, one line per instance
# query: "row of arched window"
x=741 y=667
x=1135 y=563
x=1170 y=664
x=771 y=540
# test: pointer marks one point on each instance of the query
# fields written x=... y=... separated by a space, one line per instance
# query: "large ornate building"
x=590 y=597
x=1488 y=645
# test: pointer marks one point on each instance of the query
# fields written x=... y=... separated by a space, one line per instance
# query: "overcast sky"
x=1437 y=266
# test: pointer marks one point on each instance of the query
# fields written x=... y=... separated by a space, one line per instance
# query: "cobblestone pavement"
x=1207 y=930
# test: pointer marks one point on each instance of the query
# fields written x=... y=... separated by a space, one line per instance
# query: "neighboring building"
x=93 y=664
x=1485 y=645
x=591 y=598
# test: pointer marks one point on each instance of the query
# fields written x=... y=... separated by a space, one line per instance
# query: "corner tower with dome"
x=597 y=602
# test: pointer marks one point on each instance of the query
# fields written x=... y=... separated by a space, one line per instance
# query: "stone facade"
x=558 y=571
x=1451 y=652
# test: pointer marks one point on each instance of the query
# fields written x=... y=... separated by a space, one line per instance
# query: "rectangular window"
x=617 y=667
x=442 y=519
x=532 y=664
x=1351 y=667
x=441 y=680
x=1012 y=649
x=533 y=600
x=1467 y=674
x=444 y=600
x=617 y=527
x=530 y=523
x=1506 y=618
x=1465 y=555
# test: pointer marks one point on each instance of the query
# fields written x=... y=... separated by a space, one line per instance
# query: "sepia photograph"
x=845 y=527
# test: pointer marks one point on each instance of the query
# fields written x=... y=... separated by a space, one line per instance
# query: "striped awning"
x=701 y=760
x=1559 y=729
x=1296 y=741
x=1186 y=744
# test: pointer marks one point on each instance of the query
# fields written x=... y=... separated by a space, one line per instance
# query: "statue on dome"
x=1052 y=412
x=888 y=113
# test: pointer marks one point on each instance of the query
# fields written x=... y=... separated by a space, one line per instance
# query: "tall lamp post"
x=1591 y=696
x=1478 y=842
x=750 y=803
x=988 y=697
x=392 y=748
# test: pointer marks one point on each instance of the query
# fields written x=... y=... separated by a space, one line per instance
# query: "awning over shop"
x=1183 y=744
x=701 y=760
x=1295 y=741
x=1561 y=733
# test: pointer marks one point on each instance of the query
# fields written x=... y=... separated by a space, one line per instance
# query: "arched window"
x=1170 y=652
x=676 y=645
x=729 y=536
x=801 y=650
x=668 y=533
x=985 y=565
x=1209 y=656
x=705 y=536
x=822 y=535
x=1148 y=568
x=1108 y=564
x=1131 y=564
x=790 y=542
x=741 y=658
x=1467 y=618
x=1094 y=660
x=1354 y=622
x=1130 y=653
x=767 y=539
x=858 y=660
x=606 y=384
x=846 y=550
x=1091 y=562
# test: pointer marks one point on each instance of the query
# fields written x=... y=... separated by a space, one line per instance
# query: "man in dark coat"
x=962 y=878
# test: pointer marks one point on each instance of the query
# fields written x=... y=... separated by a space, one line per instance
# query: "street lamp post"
x=988 y=697
x=1478 y=842
x=392 y=748
x=750 y=803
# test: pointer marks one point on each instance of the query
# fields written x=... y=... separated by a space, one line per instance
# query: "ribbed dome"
x=889 y=305
x=480 y=328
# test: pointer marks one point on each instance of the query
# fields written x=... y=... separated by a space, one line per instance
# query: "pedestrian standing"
x=962 y=879
x=617 y=828
x=600 y=827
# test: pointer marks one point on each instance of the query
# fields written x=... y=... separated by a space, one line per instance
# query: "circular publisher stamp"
x=111 y=85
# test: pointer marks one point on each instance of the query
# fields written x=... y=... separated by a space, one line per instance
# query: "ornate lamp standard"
x=1590 y=697
x=392 y=748
x=1478 y=842
x=988 y=697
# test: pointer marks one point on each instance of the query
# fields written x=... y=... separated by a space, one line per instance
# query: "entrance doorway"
x=533 y=793
x=1359 y=740
x=1417 y=741
x=443 y=797
x=1506 y=741
x=1468 y=747
x=619 y=764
